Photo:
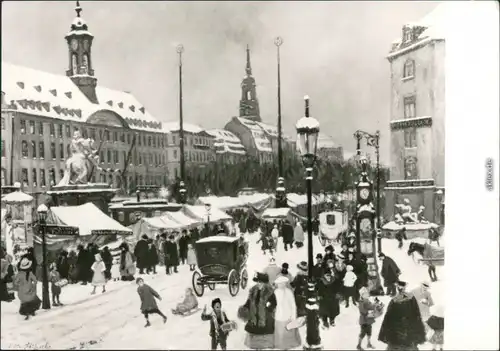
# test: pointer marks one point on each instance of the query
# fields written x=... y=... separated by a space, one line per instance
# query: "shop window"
x=41 y=150
x=32 y=127
x=42 y=177
x=24 y=176
x=24 y=149
x=40 y=128
x=53 y=151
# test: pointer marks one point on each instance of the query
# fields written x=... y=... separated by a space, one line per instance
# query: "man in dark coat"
x=152 y=257
x=171 y=254
x=315 y=225
x=82 y=265
x=141 y=253
x=183 y=246
x=329 y=255
x=194 y=235
x=402 y=327
x=329 y=307
x=287 y=232
x=390 y=272
x=318 y=268
x=300 y=289
x=62 y=264
x=400 y=236
x=107 y=259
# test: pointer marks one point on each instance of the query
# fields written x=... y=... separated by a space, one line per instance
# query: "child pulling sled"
x=188 y=306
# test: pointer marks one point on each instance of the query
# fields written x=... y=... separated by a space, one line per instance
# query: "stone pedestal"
x=99 y=194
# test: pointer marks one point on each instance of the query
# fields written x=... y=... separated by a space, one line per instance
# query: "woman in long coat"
x=329 y=307
x=63 y=264
x=141 y=253
x=171 y=254
x=286 y=312
x=298 y=235
x=152 y=257
x=127 y=266
x=300 y=289
x=258 y=312
x=25 y=283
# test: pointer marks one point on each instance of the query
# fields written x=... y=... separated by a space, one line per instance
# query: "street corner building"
x=418 y=112
x=41 y=112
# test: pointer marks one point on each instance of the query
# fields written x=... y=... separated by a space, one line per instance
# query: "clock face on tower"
x=74 y=44
x=364 y=193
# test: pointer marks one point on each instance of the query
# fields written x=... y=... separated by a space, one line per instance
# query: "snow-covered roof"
x=174 y=126
x=325 y=142
x=218 y=239
x=55 y=96
x=226 y=142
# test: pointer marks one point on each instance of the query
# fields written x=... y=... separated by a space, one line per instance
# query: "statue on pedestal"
x=77 y=166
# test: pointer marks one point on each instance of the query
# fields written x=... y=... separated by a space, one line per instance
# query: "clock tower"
x=365 y=229
x=249 y=105
x=80 y=70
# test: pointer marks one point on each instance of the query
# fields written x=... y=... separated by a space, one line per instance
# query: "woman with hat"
x=99 y=277
x=298 y=235
x=127 y=266
x=286 y=312
x=329 y=307
x=300 y=288
x=141 y=253
x=25 y=283
x=329 y=255
x=258 y=312
x=285 y=273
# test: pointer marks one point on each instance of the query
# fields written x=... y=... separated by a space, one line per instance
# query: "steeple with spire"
x=80 y=70
x=249 y=105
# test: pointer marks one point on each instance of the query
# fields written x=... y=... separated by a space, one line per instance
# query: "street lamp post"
x=42 y=218
x=208 y=207
x=180 y=50
x=280 y=190
x=182 y=192
x=307 y=136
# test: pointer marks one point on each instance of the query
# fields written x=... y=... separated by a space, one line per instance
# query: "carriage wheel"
x=322 y=239
x=211 y=286
x=244 y=278
x=233 y=282
x=198 y=287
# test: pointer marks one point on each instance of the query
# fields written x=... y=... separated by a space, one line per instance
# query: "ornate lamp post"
x=208 y=208
x=365 y=228
x=180 y=50
x=280 y=189
x=307 y=138
x=42 y=217
x=182 y=192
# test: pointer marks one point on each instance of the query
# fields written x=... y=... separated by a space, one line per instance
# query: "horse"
x=425 y=251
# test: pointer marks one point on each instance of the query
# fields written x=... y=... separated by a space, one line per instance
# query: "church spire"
x=248 y=69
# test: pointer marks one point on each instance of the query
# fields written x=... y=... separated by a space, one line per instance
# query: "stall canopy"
x=182 y=219
x=88 y=218
x=200 y=213
x=279 y=214
x=17 y=197
x=243 y=201
x=154 y=225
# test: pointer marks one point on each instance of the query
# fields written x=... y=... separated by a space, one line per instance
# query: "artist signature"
x=30 y=346
x=84 y=344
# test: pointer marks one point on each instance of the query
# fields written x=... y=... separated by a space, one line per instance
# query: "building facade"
x=227 y=146
x=417 y=139
x=328 y=149
x=199 y=149
x=42 y=111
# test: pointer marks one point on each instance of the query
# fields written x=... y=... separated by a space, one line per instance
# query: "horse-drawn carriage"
x=332 y=224
x=221 y=260
x=432 y=256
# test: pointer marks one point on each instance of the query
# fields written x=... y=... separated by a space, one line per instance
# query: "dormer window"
x=407 y=35
x=409 y=69
x=120 y=104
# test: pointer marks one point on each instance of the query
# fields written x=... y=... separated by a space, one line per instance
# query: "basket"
x=61 y=283
x=229 y=326
x=378 y=310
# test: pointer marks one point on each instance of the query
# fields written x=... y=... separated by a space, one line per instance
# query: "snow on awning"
x=17 y=197
x=88 y=218
x=162 y=222
x=181 y=218
x=276 y=212
x=200 y=213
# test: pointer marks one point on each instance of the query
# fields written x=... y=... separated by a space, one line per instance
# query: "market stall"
x=181 y=218
x=152 y=226
x=200 y=213
x=279 y=214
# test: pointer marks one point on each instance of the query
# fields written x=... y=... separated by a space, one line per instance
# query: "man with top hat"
x=300 y=288
x=402 y=327
x=258 y=313
x=329 y=255
x=141 y=253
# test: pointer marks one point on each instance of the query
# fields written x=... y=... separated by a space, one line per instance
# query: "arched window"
x=410 y=167
x=409 y=69
x=52 y=177
x=85 y=66
x=74 y=66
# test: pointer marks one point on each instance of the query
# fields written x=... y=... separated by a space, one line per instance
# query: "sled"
x=187 y=313
x=296 y=323
x=229 y=326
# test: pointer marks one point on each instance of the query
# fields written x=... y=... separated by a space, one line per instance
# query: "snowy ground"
x=113 y=320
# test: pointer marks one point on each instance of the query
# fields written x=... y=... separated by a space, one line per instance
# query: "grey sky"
x=333 y=51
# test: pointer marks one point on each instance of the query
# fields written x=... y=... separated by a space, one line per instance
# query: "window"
x=41 y=150
x=139 y=142
x=409 y=106
x=410 y=167
x=34 y=177
x=176 y=173
x=61 y=151
x=156 y=159
x=410 y=137
x=122 y=137
x=42 y=177
x=68 y=151
x=407 y=35
x=108 y=156
x=24 y=149
x=409 y=69
x=150 y=159
x=75 y=129
x=60 y=130
x=144 y=140
x=84 y=133
x=32 y=127
x=23 y=126
x=116 y=157
x=162 y=142
x=52 y=129
x=61 y=174
x=174 y=141
x=330 y=219
x=106 y=135
x=53 y=151
x=102 y=156
x=154 y=142
x=103 y=178
x=92 y=133
x=128 y=139
x=100 y=134
x=68 y=131
x=24 y=175
x=40 y=128
x=115 y=136
x=140 y=158
x=52 y=177
x=175 y=154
